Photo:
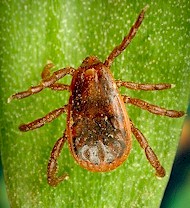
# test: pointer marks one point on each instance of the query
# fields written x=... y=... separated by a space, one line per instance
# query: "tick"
x=98 y=128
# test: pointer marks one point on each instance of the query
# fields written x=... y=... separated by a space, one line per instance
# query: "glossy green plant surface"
x=65 y=32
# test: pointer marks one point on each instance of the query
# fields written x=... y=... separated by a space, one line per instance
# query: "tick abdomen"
x=98 y=140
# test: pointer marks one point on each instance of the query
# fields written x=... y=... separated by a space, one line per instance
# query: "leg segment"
x=146 y=87
x=127 y=39
x=48 y=82
x=151 y=156
x=41 y=121
x=152 y=108
x=59 y=87
x=52 y=168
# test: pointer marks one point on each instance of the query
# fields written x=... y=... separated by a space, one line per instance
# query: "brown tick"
x=98 y=128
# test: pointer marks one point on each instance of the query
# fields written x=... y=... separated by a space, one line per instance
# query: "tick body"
x=98 y=128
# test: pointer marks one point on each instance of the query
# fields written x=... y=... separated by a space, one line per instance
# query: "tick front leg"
x=52 y=168
x=151 y=156
x=48 y=82
x=127 y=39
x=152 y=108
x=42 y=121
x=146 y=87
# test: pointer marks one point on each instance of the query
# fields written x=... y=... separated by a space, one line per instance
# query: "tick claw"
x=23 y=127
x=173 y=85
x=146 y=7
x=9 y=99
x=161 y=174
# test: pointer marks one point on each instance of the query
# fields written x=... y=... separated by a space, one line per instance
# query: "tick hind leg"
x=48 y=81
x=52 y=168
x=127 y=39
x=42 y=121
x=151 y=156
x=145 y=87
x=152 y=108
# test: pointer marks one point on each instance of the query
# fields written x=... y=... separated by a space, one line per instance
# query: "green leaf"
x=65 y=32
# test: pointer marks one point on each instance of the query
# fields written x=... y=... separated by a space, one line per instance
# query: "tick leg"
x=151 y=156
x=52 y=168
x=152 y=108
x=127 y=39
x=146 y=87
x=41 y=121
x=48 y=82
